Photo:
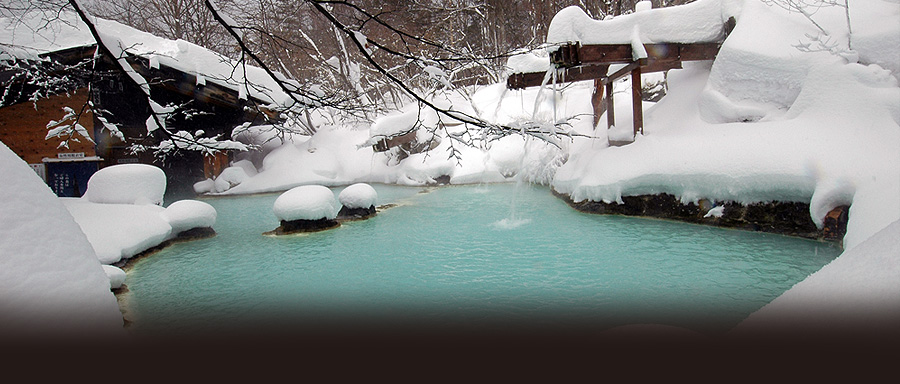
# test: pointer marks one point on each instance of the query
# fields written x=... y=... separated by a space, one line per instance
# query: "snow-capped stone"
x=715 y=212
x=116 y=276
x=204 y=186
x=229 y=178
x=187 y=214
x=308 y=202
x=127 y=184
x=360 y=195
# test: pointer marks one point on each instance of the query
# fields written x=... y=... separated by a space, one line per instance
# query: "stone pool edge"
x=777 y=217
x=127 y=264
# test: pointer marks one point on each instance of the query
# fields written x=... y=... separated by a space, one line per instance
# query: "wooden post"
x=636 y=101
x=610 y=108
x=597 y=101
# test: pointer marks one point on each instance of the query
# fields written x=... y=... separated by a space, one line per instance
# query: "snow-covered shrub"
x=308 y=202
x=127 y=184
x=188 y=214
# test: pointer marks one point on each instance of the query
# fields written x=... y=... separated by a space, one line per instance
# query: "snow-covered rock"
x=116 y=276
x=119 y=231
x=50 y=280
x=359 y=195
x=188 y=214
x=204 y=186
x=127 y=184
x=229 y=178
x=308 y=202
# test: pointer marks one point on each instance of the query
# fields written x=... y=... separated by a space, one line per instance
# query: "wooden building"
x=202 y=105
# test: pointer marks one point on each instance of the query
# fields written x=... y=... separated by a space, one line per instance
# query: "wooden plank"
x=566 y=75
x=595 y=54
x=605 y=54
x=698 y=51
x=524 y=80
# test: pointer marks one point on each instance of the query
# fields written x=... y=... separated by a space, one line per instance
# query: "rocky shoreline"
x=784 y=218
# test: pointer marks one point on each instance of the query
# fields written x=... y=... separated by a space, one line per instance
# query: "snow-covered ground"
x=764 y=121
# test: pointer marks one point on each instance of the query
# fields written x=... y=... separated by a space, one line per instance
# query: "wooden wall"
x=23 y=129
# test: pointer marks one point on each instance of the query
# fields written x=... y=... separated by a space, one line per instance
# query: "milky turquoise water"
x=494 y=254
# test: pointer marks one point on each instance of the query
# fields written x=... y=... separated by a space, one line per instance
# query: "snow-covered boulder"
x=305 y=209
x=116 y=276
x=204 y=186
x=51 y=283
x=127 y=184
x=358 y=201
x=308 y=202
x=184 y=215
x=119 y=231
x=360 y=195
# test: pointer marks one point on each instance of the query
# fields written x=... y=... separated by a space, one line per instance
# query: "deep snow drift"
x=51 y=283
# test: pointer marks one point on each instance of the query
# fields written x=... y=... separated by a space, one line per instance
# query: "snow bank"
x=308 y=202
x=188 y=214
x=700 y=21
x=127 y=184
x=358 y=195
x=50 y=281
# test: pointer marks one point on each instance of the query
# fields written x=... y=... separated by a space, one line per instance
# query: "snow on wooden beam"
x=585 y=62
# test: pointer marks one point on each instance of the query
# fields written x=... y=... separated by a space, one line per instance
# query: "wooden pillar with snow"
x=576 y=62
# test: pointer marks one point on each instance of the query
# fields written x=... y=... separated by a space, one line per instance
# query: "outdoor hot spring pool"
x=489 y=254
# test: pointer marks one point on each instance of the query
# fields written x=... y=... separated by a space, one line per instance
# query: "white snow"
x=229 y=178
x=308 y=202
x=702 y=20
x=715 y=212
x=183 y=215
x=359 y=195
x=51 y=283
x=122 y=214
x=127 y=184
x=116 y=276
x=119 y=231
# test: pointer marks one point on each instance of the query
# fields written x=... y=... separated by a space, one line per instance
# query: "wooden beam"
x=564 y=75
x=596 y=54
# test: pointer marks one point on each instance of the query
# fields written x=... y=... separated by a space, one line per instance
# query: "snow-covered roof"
x=700 y=21
x=28 y=36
